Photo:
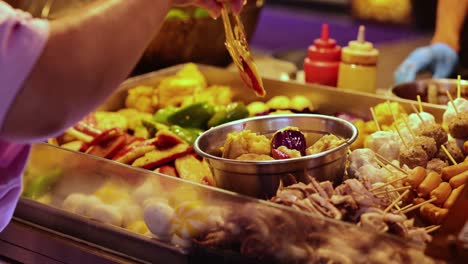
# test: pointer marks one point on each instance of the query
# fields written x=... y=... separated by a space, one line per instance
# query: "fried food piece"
x=427 y=143
x=436 y=132
x=416 y=177
x=325 y=143
x=441 y=193
x=142 y=98
x=431 y=182
x=453 y=149
x=245 y=142
x=436 y=165
x=451 y=171
x=254 y=157
x=458 y=128
x=413 y=157
x=433 y=214
x=453 y=197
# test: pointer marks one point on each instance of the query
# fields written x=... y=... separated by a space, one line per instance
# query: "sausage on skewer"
x=431 y=182
x=441 y=193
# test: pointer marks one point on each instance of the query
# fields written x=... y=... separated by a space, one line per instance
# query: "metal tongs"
x=238 y=48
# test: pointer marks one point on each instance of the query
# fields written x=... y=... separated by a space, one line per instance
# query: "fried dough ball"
x=245 y=142
x=436 y=132
x=413 y=157
x=427 y=143
x=458 y=128
x=454 y=151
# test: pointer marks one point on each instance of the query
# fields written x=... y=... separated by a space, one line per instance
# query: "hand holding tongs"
x=238 y=48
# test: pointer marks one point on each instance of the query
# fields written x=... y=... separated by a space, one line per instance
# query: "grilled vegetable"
x=192 y=116
x=186 y=134
x=234 y=111
x=291 y=138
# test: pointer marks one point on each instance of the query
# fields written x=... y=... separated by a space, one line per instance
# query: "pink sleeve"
x=22 y=40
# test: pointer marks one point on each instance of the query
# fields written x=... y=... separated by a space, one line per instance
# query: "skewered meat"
x=359 y=158
x=458 y=128
x=441 y=193
x=431 y=182
x=372 y=174
x=451 y=171
x=385 y=143
x=427 y=143
x=436 y=132
x=416 y=177
x=436 y=165
x=450 y=114
x=373 y=221
x=453 y=149
x=413 y=157
x=453 y=197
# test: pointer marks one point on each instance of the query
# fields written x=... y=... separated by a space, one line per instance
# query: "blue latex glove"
x=438 y=58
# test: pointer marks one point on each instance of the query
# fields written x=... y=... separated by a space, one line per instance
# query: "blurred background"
x=279 y=31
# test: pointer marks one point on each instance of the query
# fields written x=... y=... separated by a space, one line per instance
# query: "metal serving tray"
x=327 y=100
x=142 y=249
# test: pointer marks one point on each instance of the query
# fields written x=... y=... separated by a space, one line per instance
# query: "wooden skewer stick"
x=394 y=190
x=375 y=118
x=449 y=155
x=418 y=205
x=389 y=183
x=401 y=137
x=429 y=230
x=405 y=120
x=383 y=166
x=453 y=103
x=420 y=103
x=458 y=86
x=406 y=207
x=383 y=159
x=396 y=201
x=417 y=113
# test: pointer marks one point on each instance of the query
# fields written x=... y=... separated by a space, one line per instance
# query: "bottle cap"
x=360 y=51
x=324 y=48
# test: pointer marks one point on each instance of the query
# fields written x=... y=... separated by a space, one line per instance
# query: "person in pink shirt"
x=52 y=73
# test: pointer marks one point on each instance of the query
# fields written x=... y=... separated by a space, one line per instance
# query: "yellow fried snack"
x=189 y=219
x=142 y=98
x=138 y=227
x=245 y=142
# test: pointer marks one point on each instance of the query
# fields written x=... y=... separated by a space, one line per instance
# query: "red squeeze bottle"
x=322 y=61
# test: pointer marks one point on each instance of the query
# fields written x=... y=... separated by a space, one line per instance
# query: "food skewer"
x=458 y=86
x=396 y=201
x=432 y=229
x=406 y=207
x=418 y=205
x=448 y=155
x=394 y=190
x=383 y=165
x=389 y=183
x=396 y=123
x=451 y=101
x=375 y=118
x=382 y=158
x=405 y=121
x=417 y=113
x=420 y=103
x=401 y=137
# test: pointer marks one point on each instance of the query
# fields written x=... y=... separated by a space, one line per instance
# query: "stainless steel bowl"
x=410 y=90
x=262 y=178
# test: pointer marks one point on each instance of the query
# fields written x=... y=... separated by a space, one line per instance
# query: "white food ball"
x=385 y=143
x=80 y=204
x=130 y=214
x=415 y=122
x=372 y=173
x=158 y=216
x=105 y=213
x=144 y=192
x=359 y=158
x=73 y=201
x=449 y=115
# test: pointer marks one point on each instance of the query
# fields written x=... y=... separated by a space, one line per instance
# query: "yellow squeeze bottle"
x=358 y=66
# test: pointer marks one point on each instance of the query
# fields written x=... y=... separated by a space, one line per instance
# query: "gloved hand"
x=213 y=6
x=438 y=58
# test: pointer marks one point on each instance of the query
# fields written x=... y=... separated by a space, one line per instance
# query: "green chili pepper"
x=162 y=114
x=201 y=13
x=175 y=13
x=193 y=116
x=40 y=184
x=234 y=111
x=186 y=134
